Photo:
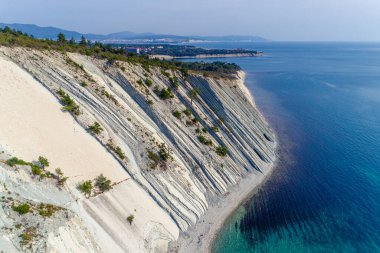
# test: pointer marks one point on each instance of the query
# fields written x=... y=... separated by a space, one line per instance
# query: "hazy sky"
x=294 y=20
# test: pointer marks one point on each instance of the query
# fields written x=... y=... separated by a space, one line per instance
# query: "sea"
x=323 y=102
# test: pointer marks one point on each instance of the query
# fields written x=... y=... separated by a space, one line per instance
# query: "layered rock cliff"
x=181 y=140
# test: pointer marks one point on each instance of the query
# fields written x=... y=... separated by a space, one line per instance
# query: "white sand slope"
x=32 y=124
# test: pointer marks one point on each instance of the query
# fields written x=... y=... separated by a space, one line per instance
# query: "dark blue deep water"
x=323 y=100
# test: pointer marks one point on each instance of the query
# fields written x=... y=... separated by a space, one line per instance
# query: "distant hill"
x=123 y=37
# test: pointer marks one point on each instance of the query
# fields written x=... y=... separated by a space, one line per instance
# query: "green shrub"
x=119 y=152
x=140 y=82
x=83 y=84
x=193 y=94
x=103 y=183
x=68 y=102
x=163 y=93
x=167 y=74
x=130 y=219
x=15 y=161
x=187 y=112
x=164 y=153
x=215 y=128
x=174 y=81
x=195 y=120
x=47 y=210
x=85 y=187
x=222 y=151
x=44 y=162
x=36 y=170
x=204 y=140
x=148 y=82
x=177 y=114
x=22 y=208
x=61 y=180
x=95 y=128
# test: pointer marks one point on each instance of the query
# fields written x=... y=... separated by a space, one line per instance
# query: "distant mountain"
x=123 y=37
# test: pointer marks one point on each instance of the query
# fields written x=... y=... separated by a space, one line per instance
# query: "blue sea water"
x=323 y=100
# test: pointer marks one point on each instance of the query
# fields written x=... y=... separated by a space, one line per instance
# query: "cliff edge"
x=172 y=144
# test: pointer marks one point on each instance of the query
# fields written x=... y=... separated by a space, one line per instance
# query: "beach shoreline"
x=201 y=237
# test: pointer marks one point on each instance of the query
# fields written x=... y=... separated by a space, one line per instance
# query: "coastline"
x=201 y=237
x=205 y=56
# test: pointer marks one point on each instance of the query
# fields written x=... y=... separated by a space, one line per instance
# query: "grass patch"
x=47 y=210
x=22 y=208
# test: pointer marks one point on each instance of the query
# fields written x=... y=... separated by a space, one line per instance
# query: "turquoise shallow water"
x=323 y=100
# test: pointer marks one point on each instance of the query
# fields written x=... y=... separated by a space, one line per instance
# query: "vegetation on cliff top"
x=9 y=37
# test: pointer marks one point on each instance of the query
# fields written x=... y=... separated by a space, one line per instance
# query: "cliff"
x=174 y=151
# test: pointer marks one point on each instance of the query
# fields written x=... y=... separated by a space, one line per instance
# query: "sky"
x=279 y=20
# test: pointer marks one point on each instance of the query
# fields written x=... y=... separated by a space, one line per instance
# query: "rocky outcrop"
x=165 y=152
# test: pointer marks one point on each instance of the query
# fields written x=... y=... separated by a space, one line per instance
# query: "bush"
x=103 y=183
x=204 y=140
x=164 y=93
x=187 y=112
x=22 y=208
x=44 y=162
x=130 y=219
x=61 y=180
x=15 y=161
x=95 y=128
x=215 y=128
x=140 y=82
x=177 y=114
x=174 y=81
x=164 y=153
x=85 y=187
x=193 y=94
x=47 y=210
x=68 y=102
x=167 y=74
x=83 y=84
x=119 y=152
x=148 y=82
x=36 y=170
x=222 y=151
